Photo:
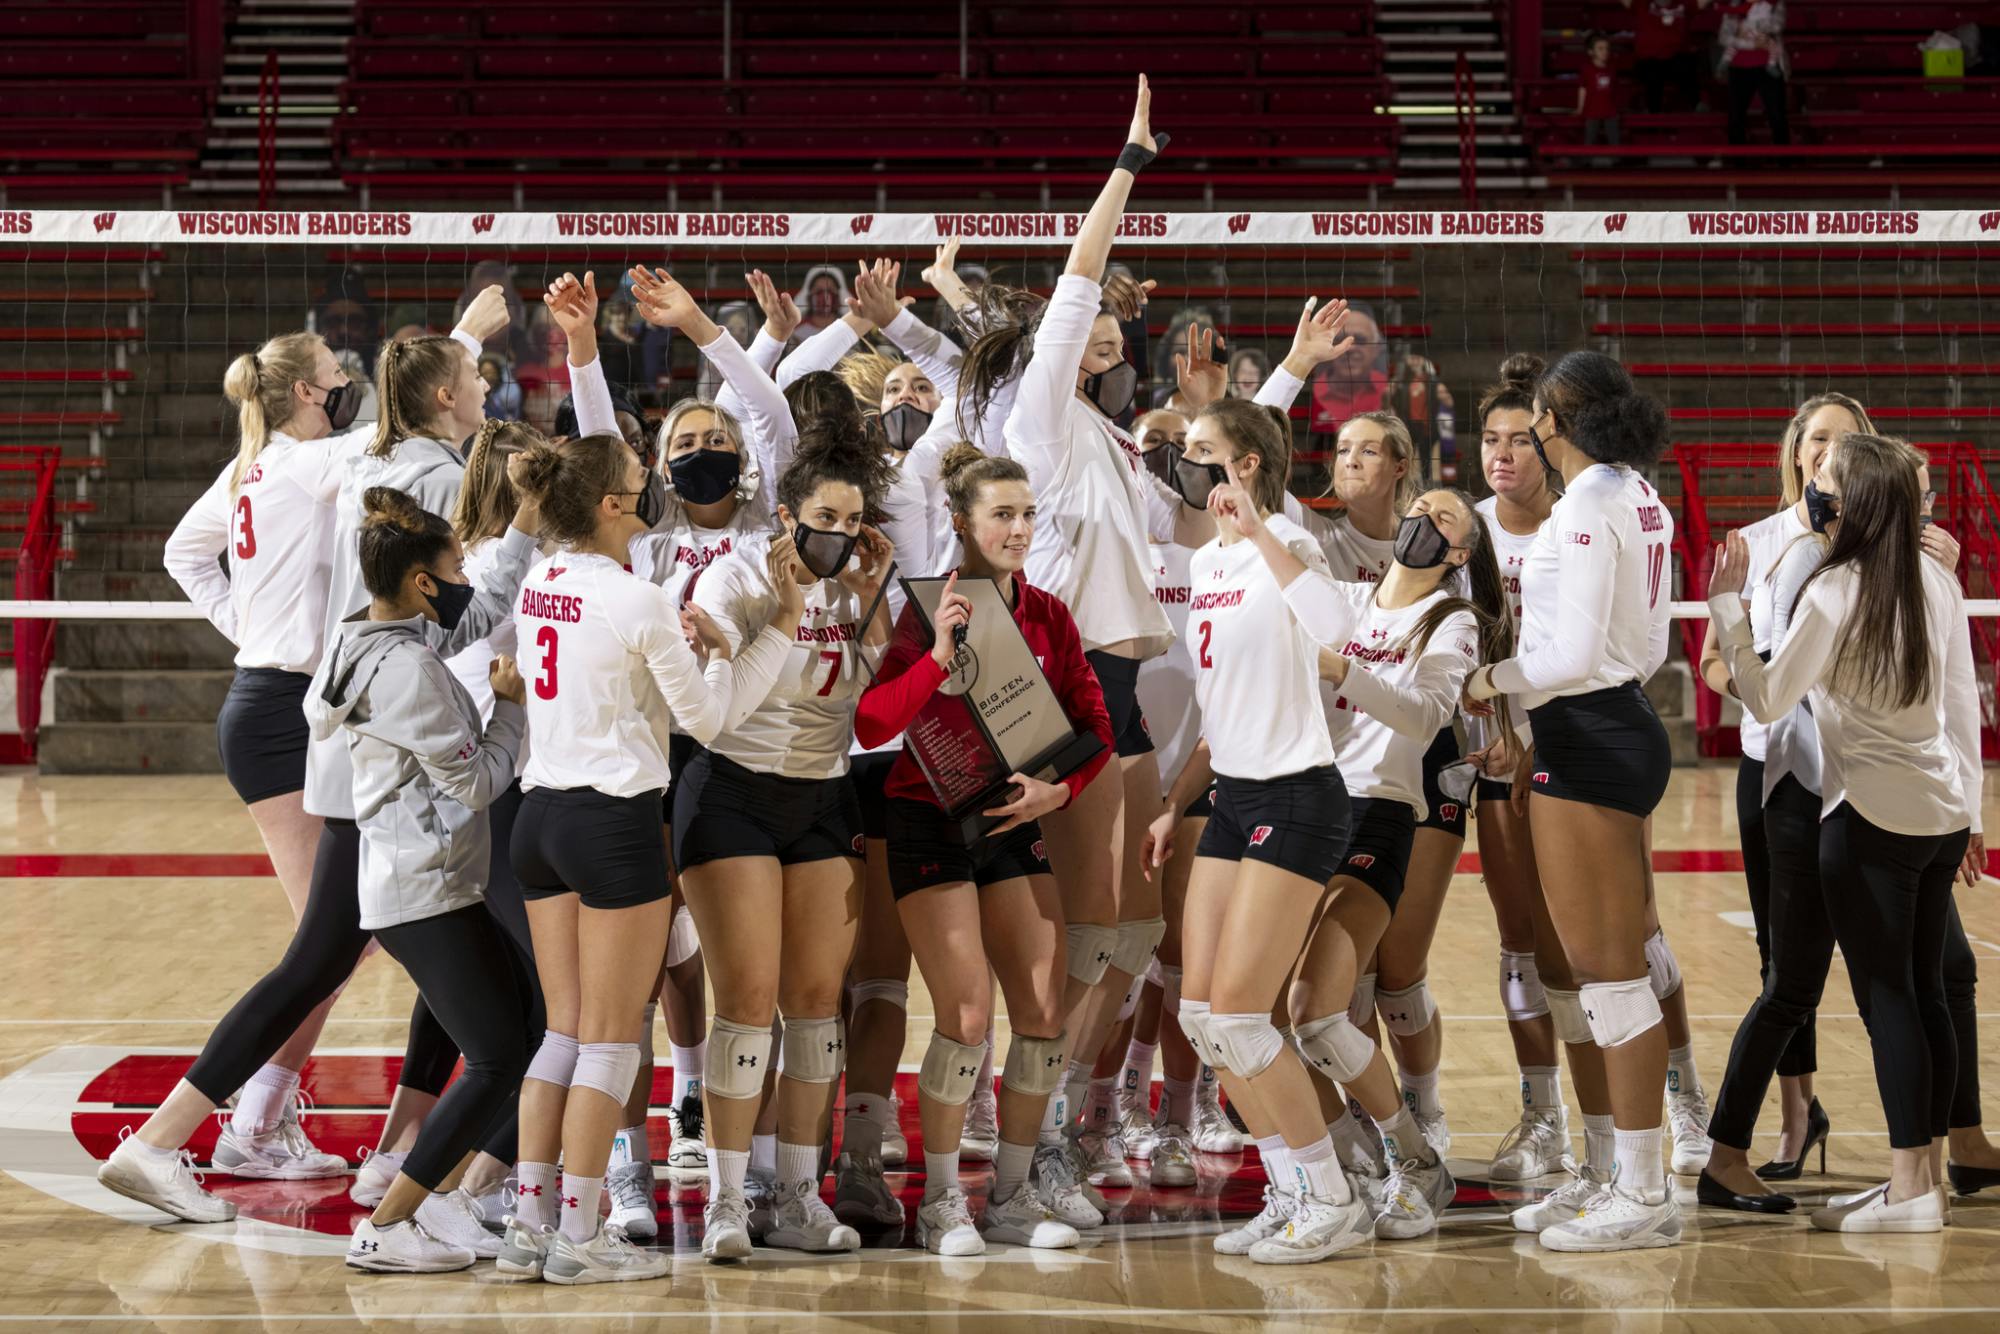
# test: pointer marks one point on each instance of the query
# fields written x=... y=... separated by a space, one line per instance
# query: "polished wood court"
x=135 y=915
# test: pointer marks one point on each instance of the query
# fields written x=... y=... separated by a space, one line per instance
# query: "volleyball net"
x=120 y=325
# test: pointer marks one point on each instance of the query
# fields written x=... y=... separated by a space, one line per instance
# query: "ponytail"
x=569 y=479
x=486 y=499
x=408 y=374
x=260 y=385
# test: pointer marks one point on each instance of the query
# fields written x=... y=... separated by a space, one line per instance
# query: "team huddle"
x=579 y=729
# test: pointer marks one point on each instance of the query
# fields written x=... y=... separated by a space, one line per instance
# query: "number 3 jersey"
x=805 y=726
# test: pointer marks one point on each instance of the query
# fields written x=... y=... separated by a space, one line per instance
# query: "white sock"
x=688 y=1062
x=631 y=1145
x=261 y=1102
x=1357 y=1150
x=1178 y=1094
x=1317 y=1172
x=1135 y=1081
x=1010 y=1170
x=1363 y=1119
x=798 y=1162
x=1277 y=1171
x=1100 y=1111
x=727 y=1167
x=1541 y=1088
x=581 y=1197
x=1640 y=1171
x=1682 y=1077
x=1420 y=1094
x=940 y=1173
x=867 y=1116
x=1600 y=1142
x=1401 y=1139
x=764 y=1155
x=535 y=1194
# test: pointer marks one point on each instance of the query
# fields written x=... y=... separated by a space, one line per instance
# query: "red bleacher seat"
x=1673 y=370
x=1689 y=330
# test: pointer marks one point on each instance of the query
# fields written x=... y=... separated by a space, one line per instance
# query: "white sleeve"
x=1587 y=566
x=1425 y=706
x=1961 y=709
x=753 y=672
x=1037 y=431
x=1771 y=690
x=200 y=537
x=766 y=416
x=766 y=351
x=1280 y=390
x=1328 y=611
x=934 y=354
x=821 y=352
x=590 y=395
x=698 y=697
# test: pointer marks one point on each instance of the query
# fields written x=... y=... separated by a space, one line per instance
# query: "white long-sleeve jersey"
x=1167 y=683
x=1768 y=538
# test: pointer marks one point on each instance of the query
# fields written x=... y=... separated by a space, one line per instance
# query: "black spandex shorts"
x=1202 y=806
x=606 y=850
x=1445 y=812
x=926 y=848
x=1606 y=748
x=1492 y=789
x=870 y=773
x=1118 y=678
x=1298 y=822
x=1378 y=853
x=722 y=809
x=680 y=749
x=261 y=733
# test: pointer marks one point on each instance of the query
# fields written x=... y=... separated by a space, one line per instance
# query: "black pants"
x=1961 y=986
x=1795 y=937
x=1751 y=85
x=1656 y=75
x=1890 y=898
x=1801 y=817
x=463 y=964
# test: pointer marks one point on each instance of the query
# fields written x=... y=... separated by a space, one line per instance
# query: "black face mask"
x=653 y=500
x=1113 y=390
x=450 y=602
x=343 y=404
x=1419 y=544
x=1821 y=508
x=705 y=476
x=904 y=425
x=1555 y=477
x=824 y=553
x=1160 y=460
x=1195 y=480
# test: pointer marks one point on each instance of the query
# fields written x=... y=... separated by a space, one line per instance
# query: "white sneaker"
x=1435 y=1131
x=1140 y=1132
x=1212 y=1131
x=1687 y=1122
x=1054 y=1180
x=167 y=1182
x=895 y=1144
x=1316 y=1230
x=802 y=1222
x=686 y=1151
x=374 y=1177
x=1022 y=1219
x=979 y=1142
x=1412 y=1199
x=944 y=1225
x=1104 y=1159
x=861 y=1195
x=1278 y=1207
x=1615 y=1221
x=453 y=1218
x=494 y=1206
x=282 y=1153
x=1872 y=1212
x=403 y=1248
x=523 y=1249
x=606 y=1258
x=725 y=1227
x=1560 y=1205
x=1173 y=1156
x=633 y=1211
x=1536 y=1146
x=1370 y=1187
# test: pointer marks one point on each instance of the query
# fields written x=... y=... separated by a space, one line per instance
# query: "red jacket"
x=908 y=682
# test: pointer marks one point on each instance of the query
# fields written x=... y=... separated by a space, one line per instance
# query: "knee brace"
x=1247 y=1043
x=1407 y=1011
x=1131 y=1002
x=1090 y=951
x=608 y=1067
x=1136 y=943
x=683 y=942
x=950 y=1069
x=1663 y=970
x=1034 y=1066
x=1619 y=1011
x=1566 y=1010
x=1521 y=994
x=879 y=989
x=738 y=1055
x=1363 y=1003
x=646 y=1033
x=1335 y=1047
x=554 y=1061
x=815 y=1049
x=1194 y=1020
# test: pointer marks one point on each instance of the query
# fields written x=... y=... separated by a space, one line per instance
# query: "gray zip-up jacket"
x=424 y=771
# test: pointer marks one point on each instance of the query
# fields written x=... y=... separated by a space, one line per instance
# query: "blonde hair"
x=486 y=499
x=260 y=385
x=723 y=419
x=1396 y=435
x=865 y=372
x=1792 y=477
x=407 y=377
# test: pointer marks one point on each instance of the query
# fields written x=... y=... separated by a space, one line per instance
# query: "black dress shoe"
x=1967 y=1180
x=1718 y=1196
x=1817 y=1128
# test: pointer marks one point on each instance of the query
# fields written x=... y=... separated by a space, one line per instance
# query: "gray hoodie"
x=424 y=773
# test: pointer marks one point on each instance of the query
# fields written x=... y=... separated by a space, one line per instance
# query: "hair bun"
x=1521 y=371
x=958 y=458
x=385 y=505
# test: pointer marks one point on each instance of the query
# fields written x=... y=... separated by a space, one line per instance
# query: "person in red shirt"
x=1663 y=55
x=1752 y=57
x=993 y=904
x=1597 y=92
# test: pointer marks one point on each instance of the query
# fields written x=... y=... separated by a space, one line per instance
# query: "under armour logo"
x=1051 y=1062
x=367 y=1246
x=1103 y=956
x=928 y=868
x=569 y=1201
x=555 y=572
x=1514 y=977
x=529 y=1190
x=968 y=1071
x=1396 y=1015
x=834 y=1045
x=1590 y=1014
x=750 y=1061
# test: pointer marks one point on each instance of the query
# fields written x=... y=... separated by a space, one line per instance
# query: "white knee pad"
x=1170 y=989
x=879 y=989
x=950 y=1069
x=1136 y=943
x=1619 y=1011
x=554 y=1061
x=815 y=1050
x=1663 y=970
x=646 y=1033
x=1090 y=951
x=1194 y=1020
x=1566 y=1010
x=1335 y=1047
x=738 y=1055
x=1247 y=1043
x=1407 y=1011
x=1521 y=994
x=608 y=1067
x=1363 y=1003
x=1131 y=1001
x=1034 y=1066
x=683 y=941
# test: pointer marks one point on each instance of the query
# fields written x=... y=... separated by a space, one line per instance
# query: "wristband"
x=1135 y=159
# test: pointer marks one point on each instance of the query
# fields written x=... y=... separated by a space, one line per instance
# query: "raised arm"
x=573 y=304
x=197 y=541
x=1093 y=241
x=934 y=354
x=767 y=346
x=666 y=304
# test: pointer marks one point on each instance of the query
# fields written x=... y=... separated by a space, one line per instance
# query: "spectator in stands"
x=510 y=343
x=1597 y=92
x=409 y=319
x=1355 y=381
x=1248 y=370
x=503 y=391
x=1663 y=47
x=1419 y=395
x=739 y=319
x=822 y=299
x=1751 y=56
x=619 y=348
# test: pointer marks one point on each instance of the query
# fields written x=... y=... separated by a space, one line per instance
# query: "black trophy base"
x=1052 y=767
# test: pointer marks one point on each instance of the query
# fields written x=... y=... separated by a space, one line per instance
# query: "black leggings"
x=1800 y=1055
x=464 y=965
x=1753 y=85
x=1961 y=997
x=1890 y=898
